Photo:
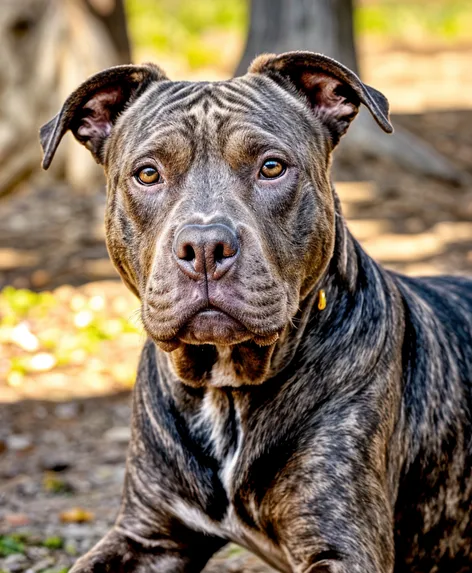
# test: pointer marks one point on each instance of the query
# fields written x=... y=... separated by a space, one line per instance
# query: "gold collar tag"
x=321 y=300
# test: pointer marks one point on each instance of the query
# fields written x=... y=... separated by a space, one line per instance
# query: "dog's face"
x=220 y=212
x=220 y=208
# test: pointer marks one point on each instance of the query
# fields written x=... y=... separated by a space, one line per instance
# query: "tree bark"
x=326 y=26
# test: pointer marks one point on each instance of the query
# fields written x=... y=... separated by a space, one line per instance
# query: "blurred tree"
x=326 y=26
x=112 y=15
x=47 y=48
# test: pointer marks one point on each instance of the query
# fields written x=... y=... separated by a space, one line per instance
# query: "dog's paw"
x=113 y=554
x=84 y=565
x=104 y=563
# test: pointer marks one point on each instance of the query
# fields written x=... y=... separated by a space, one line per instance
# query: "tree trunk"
x=326 y=26
x=112 y=15
x=48 y=48
x=317 y=25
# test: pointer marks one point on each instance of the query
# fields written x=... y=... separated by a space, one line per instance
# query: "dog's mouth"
x=212 y=325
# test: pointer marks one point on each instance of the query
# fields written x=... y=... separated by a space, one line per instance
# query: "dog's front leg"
x=333 y=535
x=150 y=535
x=334 y=547
x=119 y=553
x=331 y=510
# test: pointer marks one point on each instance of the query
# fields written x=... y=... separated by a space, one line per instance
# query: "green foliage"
x=234 y=551
x=54 y=484
x=53 y=542
x=64 y=330
x=17 y=303
x=11 y=544
x=182 y=27
x=404 y=20
x=17 y=542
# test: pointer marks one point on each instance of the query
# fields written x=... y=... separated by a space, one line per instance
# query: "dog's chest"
x=220 y=421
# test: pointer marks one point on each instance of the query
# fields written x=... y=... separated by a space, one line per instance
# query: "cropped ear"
x=91 y=110
x=332 y=90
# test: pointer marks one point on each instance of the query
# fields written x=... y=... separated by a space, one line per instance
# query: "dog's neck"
x=340 y=277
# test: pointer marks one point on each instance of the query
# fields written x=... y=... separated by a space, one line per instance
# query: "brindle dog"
x=332 y=439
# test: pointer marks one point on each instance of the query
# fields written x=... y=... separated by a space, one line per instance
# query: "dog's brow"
x=165 y=145
x=243 y=143
x=174 y=151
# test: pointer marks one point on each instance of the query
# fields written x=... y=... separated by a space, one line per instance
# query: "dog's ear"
x=333 y=91
x=90 y=111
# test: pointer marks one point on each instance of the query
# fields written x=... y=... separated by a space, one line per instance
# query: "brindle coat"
x=335 y=440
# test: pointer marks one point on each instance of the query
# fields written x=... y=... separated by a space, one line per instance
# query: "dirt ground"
x=62 y=455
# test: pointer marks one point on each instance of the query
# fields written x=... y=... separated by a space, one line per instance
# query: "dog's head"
x=220 y=212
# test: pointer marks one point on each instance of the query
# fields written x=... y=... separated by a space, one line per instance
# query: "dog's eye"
x=148 y=176
x=272 y=169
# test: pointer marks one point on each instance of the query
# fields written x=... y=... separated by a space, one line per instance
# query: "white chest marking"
x=231 y=527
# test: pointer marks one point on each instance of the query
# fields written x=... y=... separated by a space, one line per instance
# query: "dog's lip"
x=261 y=340
x=212 y=311
x=210 y=325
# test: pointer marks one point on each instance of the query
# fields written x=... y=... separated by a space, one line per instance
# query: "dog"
x=293 y=396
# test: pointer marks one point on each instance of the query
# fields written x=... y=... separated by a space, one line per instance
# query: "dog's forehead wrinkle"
x=163 y=100
x=159 y=105
x=200 y=119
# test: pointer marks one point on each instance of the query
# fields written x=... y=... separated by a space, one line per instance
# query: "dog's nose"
x=205 y=250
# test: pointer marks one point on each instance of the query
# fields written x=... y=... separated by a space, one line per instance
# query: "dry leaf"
x=17 y=519
x=76 y=515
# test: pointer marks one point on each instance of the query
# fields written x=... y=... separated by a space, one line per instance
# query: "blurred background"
x=69 y=332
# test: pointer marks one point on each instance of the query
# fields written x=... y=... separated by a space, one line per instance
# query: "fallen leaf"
x=76 y=515
x=17 y=519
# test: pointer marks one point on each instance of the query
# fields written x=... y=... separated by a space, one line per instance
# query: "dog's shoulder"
x=437 y=347
x=448 y=298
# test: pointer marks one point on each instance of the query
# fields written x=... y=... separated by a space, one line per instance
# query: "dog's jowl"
x=293 y=396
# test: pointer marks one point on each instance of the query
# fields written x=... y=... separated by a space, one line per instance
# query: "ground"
x=67 y=360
